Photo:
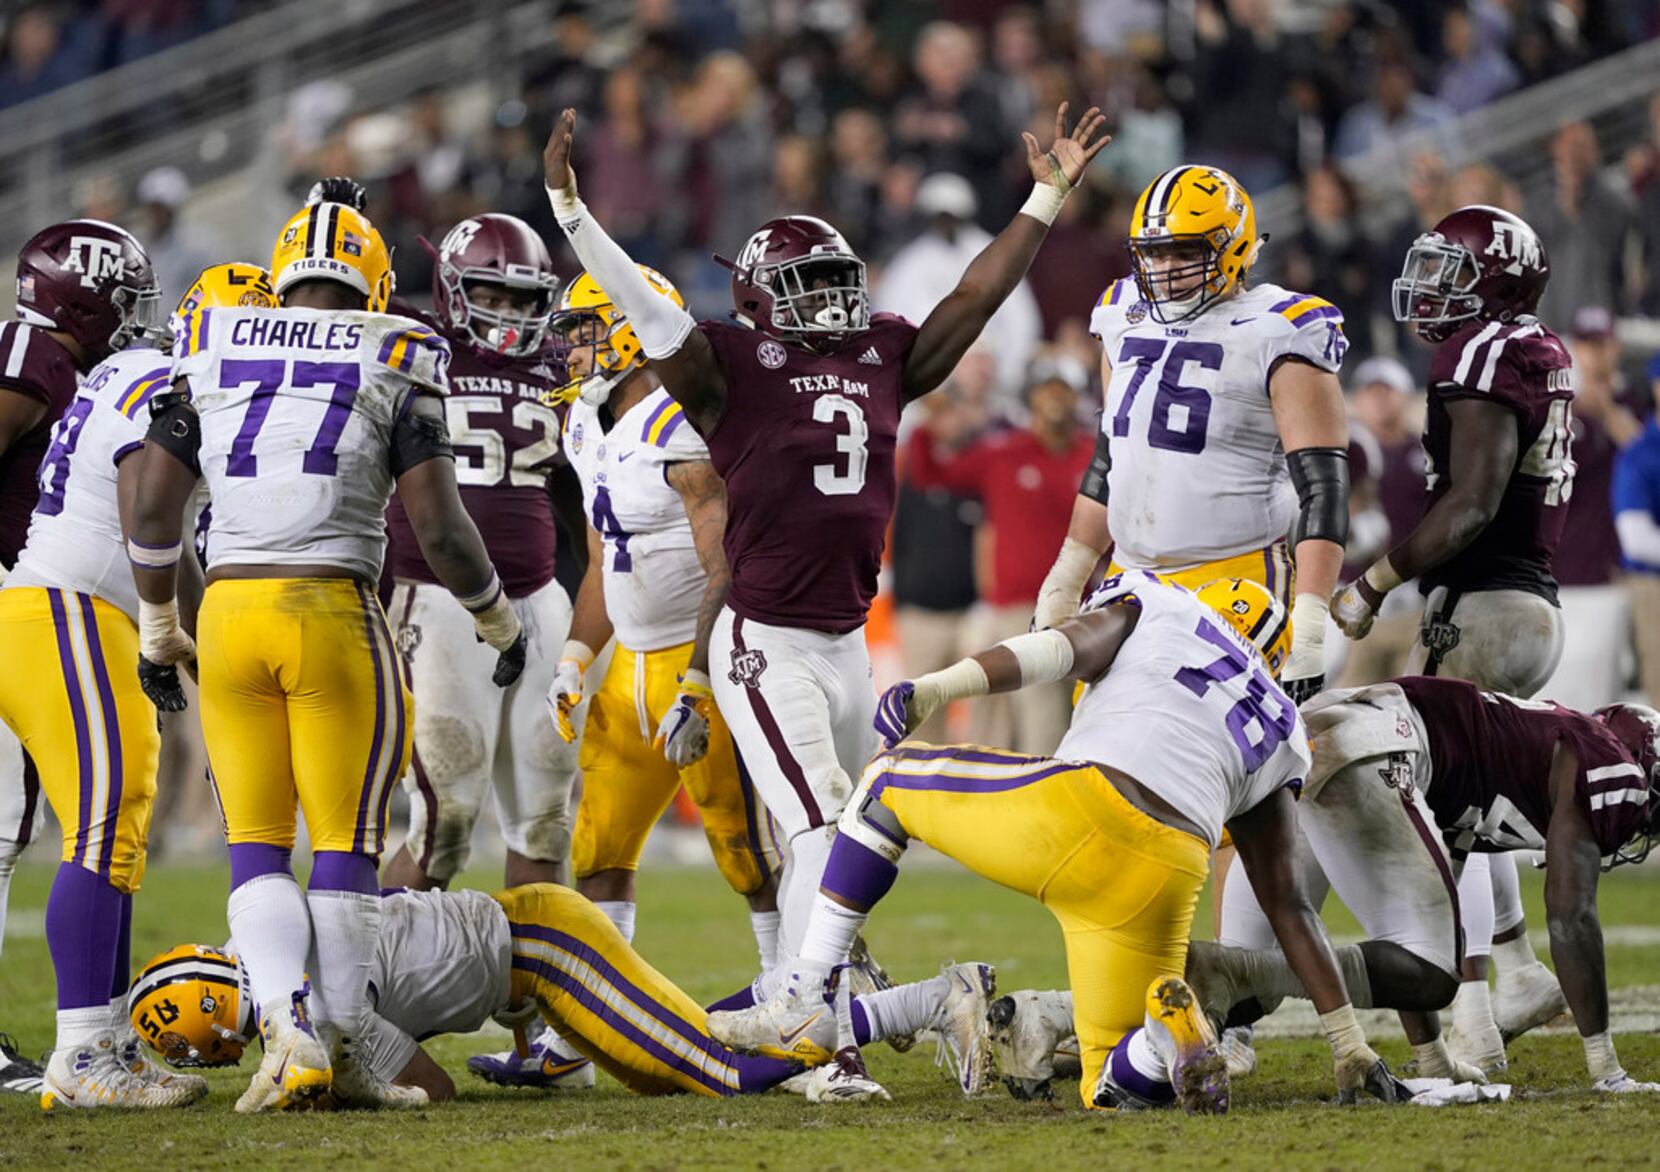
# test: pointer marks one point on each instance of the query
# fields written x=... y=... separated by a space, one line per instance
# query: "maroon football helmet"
x=504 y=251
x=797 y=280
x=93 y=281
x=1478 y=262
x=1638 y=728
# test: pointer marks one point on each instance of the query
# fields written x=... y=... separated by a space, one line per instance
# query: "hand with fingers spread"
x=1062 y=165
x=556 y=155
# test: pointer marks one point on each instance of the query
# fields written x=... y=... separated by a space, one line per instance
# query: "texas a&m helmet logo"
x=96 y=259
x=459 y=237
x=747 y=666
x=1515 y=242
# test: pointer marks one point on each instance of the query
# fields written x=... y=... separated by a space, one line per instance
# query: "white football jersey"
x=75 y=540
x=443 y=965
x=653 y=579
x=297 y=408
x=1188 y=708
x=1198 y=473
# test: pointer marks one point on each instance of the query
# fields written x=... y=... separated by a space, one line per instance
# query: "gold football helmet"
x=333 y=242
x=1255 y=613
x=1193 y=237
x=224 y=286
x=189 y=1005
x=586 y=317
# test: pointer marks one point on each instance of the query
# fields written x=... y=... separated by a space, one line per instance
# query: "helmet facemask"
x=816 y=296
x=1433 y=292
x=1187 y=281
x=143 y=318
x=517 y=329
x=591 y=327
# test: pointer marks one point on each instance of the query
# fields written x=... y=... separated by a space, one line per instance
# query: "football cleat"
x=843 y=1079
x=18 y=1075
x=183 y=1088
x=1033 y=1041
x=866 y=975
x=796 y=1023
x=960 y=1025
x=1184 y=1039
x=1483 y=1049
x=94 y=1075
x=1241 y=1056
x=547 y=1066
x=295 y=1071
x=354 y=1085
x=1525 y=999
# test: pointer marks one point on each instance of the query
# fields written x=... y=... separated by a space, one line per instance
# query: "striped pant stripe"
x=365 y=838
x=961 y=769
x=112 y=734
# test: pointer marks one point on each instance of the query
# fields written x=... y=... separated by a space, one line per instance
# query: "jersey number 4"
x=1180 y=413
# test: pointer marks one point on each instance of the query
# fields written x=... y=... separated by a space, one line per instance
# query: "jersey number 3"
x=832 y=479
x=1180 y=413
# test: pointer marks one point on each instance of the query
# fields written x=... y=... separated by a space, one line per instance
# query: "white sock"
x=1507 y=892
x=904 y=1009
x=830 y=932
x=1512 y=956
x=1472 y=1011
x=1145 y=1058
x=9 y=850
x=345 y=927
x=621 y=913
x=271 y=928
x=80 y=1027
x=120 y=1021
x=765 y=927
x=1475 y=905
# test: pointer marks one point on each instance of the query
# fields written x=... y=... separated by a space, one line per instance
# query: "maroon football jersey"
x=506 y=443
x=806 y=447
x=1525 y=368
x=33 y=365
x=1490 y=758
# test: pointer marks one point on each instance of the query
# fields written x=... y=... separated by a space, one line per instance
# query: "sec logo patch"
x=771 y=355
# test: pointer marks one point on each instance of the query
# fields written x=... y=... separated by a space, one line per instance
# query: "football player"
x=448 y=962
x=799 y=403
x=85 y=289
x=493 y=296
x=1410 y=777
x=300 y=419
x=1496 y=448
x=1198 y=474
x=656 y=579
x=1180 y=731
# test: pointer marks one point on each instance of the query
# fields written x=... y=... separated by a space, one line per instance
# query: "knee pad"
x=872 y=825
x=545 y=838
x=450 y=749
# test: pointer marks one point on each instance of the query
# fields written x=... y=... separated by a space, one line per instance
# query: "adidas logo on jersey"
x=870 y=357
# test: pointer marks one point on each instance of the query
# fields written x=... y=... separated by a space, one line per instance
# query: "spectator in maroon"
x=1596 y=607
x=1026 y=479
x=1386 y=458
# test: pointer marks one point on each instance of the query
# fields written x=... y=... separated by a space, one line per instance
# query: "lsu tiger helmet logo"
x=1193 y=238
x=1256 y=614
x=586 y=317
x=224 y=286
x=189 y=1005
x=333 y=242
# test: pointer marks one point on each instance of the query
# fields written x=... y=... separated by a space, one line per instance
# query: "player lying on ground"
x=448 y=962
x=1181 y=730
x=1411 y=776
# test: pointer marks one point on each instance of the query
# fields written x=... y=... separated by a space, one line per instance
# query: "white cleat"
x=1241 y=1056
x=354 y=1085
x=960 y=1025
x=1482 y=1050
x=1526 y=999
x=843 y=1079
x=796 y=1024
x=1182 y=1036
x=182 y=1089
x=295 y=1071
x=1033 y=1041
x=94 y=1076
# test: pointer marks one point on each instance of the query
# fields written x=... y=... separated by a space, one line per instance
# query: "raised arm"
x=955 y=323
x=681 y=355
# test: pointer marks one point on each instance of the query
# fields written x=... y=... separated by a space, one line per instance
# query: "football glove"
x=161 y=683
x=510 y=664
x=338 y=189
x=1304 y=674
x=1354 y=606
x=566 y=691
x=1063 y=587
x=896 y=713
x=683 y=734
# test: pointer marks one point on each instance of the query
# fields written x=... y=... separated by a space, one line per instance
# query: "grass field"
x=693 y=929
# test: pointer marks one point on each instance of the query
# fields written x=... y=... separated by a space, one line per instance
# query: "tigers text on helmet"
x=1255 y=613
x=333 y=242
x=797 y=280
x=94 y=282
x=1638 y=728
x=225 y=286
x=1193 y=238
x=191 y=1006
x=1478 y=262
x=495 y=250
x=587 y=317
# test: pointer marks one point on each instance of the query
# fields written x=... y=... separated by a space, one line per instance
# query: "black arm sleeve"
x=1094 y=484
x=1321 y=478
x=417 y=438
x=176 y=428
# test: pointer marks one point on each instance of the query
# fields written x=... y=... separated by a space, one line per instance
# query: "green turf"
x=696 y=931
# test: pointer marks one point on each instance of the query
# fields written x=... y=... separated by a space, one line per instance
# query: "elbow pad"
x=1321 y=478
x=176 y=428
x=417 y=439
x=1094 y=484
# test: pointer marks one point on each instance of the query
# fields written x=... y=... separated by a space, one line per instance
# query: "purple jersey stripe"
x=77 y=712
x=752 y=829
x=669 y=429
x=399 y=685
x=369 y=771
x=957 y=783
x=645 y=432
x=385 y=355
x=1282 y=306
x=202 y=330
x=787 y=764
x=1308 y=315
x=975 y=754
x=112 y=733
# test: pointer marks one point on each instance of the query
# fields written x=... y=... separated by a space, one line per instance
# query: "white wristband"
x=1600 y=1058
x=961 y=680
x=567 y=205
x=1044 y=204
x=158 y=624
x=1342 y=1030
x=1308 y=630
x=578 y=652
x=1044 y=656
x=498 y=624
x=1381 y=576
x=484 y=599
x=154 y=557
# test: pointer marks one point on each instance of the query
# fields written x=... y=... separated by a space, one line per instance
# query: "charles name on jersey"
x=296 y=335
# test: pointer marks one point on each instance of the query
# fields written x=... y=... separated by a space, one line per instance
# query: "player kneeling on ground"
x=1409 y=778
x=1181 y=730
x=448 y=962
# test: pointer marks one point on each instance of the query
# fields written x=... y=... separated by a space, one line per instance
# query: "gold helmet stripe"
x=1273 y=610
